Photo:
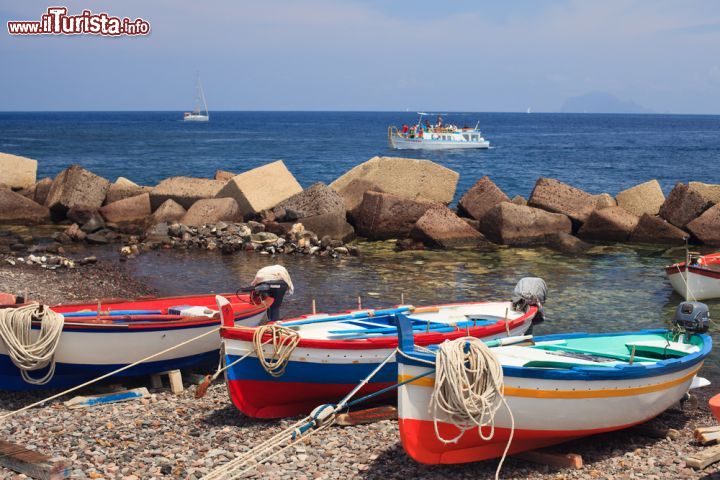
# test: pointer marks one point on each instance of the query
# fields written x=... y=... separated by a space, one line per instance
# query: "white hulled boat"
x=435 y=137
x=198 y=115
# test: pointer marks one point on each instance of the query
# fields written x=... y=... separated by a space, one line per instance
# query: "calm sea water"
x=600 y=153
x=614 y=287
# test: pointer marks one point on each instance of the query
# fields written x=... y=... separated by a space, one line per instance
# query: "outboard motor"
x=273 y=281
x=692 y=318
x=530 y=291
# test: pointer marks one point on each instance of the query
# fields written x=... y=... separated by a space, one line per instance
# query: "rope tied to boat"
x=468 y=390
x=283 y=343
x=27 y=350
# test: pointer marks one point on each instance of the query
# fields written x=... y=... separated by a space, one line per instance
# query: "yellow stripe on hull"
x=571 y=394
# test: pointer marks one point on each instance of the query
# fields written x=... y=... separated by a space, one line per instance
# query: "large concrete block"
x=184 y=190
x=261 y=188
x=124 y=188
x=16 y=209
x=320 y=209
x=76 y=187
x=558 y=197
x=612 y=224
x=684 y=204
x=128 y=210
x=212 y=210
x=645 y=198
x=710 y=191
x=170 y=211
x=17 y=172
x=406 y=177
x=706 y=227
x=382 y=215
x=481 y=197
x=520 y=225
x=652 y=229
x=441 y=228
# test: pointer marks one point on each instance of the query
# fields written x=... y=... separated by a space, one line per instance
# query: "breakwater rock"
x=266 y=209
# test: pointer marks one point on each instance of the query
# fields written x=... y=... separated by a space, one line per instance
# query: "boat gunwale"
x=678 y=268
x=590 y=373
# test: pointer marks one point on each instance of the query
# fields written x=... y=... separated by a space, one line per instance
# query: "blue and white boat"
x=555 y=388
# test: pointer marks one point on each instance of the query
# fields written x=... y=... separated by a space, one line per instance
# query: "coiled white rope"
x=31 y=351
x=468 y=390
x=284 y=341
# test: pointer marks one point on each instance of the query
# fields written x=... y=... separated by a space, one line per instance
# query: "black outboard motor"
x=692 y=317
x=273 y=281
x=275 y=289
x=530 y=291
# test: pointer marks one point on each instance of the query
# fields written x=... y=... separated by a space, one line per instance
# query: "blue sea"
x=596 y=152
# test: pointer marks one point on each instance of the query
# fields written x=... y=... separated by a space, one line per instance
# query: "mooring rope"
x=320 y=418
x=29 y=351
x=468 y=390
x=284 y=341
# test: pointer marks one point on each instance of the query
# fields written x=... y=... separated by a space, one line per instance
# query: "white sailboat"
x=198 y=115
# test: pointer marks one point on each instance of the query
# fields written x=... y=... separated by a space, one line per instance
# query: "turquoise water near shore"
x=600 y=153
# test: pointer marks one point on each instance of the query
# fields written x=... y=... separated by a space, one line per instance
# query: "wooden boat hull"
x=549 y=406
x=323 y=371
x=91 y=347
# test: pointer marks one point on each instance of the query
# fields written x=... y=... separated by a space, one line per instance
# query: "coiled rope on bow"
x=284 y=341
x=468 y=390
x=29 y=351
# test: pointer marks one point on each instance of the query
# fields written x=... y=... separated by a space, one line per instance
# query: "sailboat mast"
x=202 y=95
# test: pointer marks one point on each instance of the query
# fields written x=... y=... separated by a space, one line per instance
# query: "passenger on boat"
x=405 y=129
x=439 y=121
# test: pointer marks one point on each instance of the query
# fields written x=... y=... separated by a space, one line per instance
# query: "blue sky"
x=374 y=55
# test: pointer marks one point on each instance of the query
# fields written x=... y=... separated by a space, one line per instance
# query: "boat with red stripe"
x=554 y=388
x=333 y=353
x=697 y=278
x=101 y=337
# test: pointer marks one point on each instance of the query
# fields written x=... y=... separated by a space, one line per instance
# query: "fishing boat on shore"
x=423 y=136
x=697 y=278
x=198 y=114
x=81 y=342
x=289 y=367
x=544 y=390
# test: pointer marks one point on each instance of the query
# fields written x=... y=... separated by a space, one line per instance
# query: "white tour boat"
x=198 y=115
x=435 y=137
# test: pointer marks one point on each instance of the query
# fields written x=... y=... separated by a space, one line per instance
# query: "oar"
x=112 y=313
x=351 y=336
x=418 y=327
x=361 y=314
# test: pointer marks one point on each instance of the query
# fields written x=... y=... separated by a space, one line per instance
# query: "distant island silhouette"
x=601 y=102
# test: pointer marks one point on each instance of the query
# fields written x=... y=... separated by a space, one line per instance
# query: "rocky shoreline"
x=266 y=209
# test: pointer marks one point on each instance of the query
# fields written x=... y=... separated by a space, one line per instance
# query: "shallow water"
x=612 y=288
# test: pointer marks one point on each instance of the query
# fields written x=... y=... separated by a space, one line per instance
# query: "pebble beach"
x=179 y=436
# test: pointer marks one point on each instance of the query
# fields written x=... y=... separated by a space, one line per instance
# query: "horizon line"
x=367 y=111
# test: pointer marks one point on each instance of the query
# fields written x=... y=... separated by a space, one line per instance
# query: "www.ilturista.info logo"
x=57 y=22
